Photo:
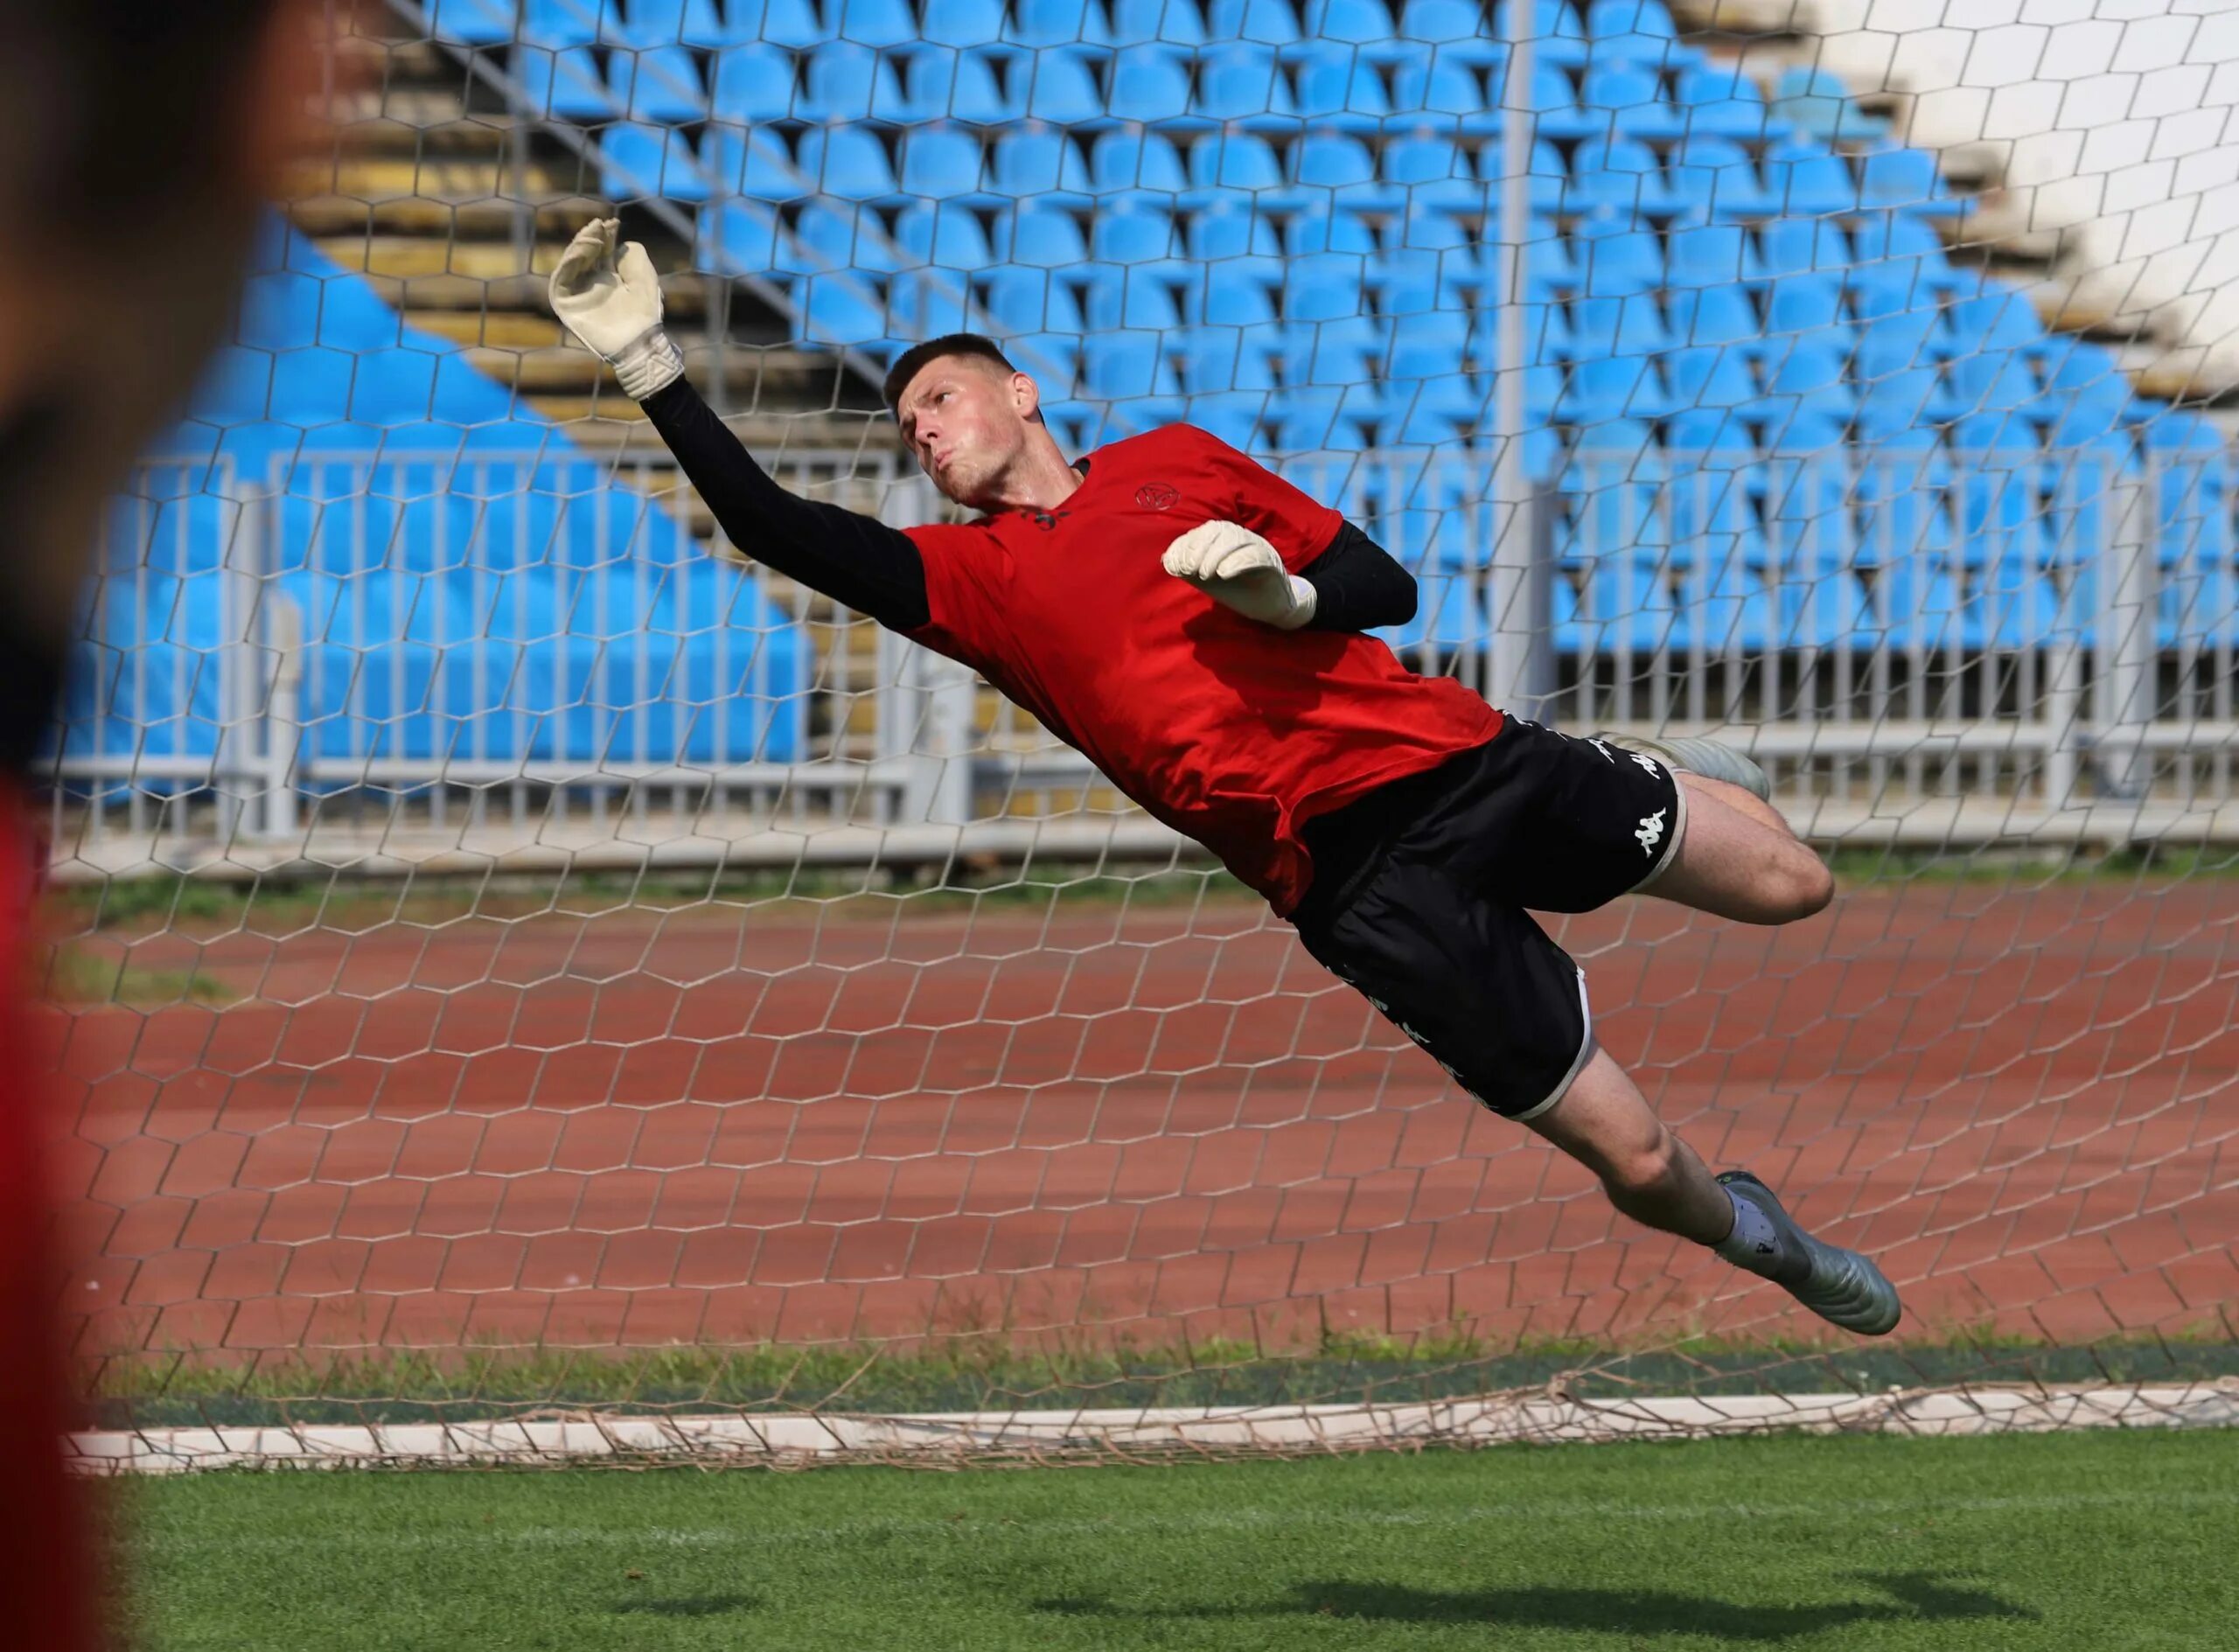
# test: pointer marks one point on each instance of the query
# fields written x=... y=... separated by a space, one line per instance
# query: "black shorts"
x=1420 y=888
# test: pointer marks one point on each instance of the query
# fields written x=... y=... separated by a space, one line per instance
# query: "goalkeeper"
x=1193 y=625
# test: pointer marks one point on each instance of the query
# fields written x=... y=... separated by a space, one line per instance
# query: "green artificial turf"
x=2108 y=1541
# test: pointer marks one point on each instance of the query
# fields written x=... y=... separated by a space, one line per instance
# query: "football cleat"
x=1840 y=1286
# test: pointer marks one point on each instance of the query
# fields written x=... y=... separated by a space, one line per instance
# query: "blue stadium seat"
x=1641 y=28
x=1901 y=341
x=1340 y=90
x=942 y=161
x=1700 y=254
x=1909 y=399
x=1119 y=365
x=1816 y=103
x=1063 y=87
x=1602 y=389
x=1630 y=326
x=688 y=22
x=1442 y=83
x=1549 y=177
x=1424 y=154
x=1242 y=84
x=839 y=236
x=1709 y=431
x=1554 y=106
x=1621 y=176
x=1626 y=100
x=1239 y=358
x=1150 y=83
x=1143 y=22
x=1228 y=223
x=1325 y=230
x=1131 y=296
x=877 y=23
x=565 y=84
x=1805 y=247
x=1806 y=429
x=849 y=162
x=1330 y=165
x=1433 y=410
x=2078 y=416
x=1906 y=178
x=837 y=309
x=1045 y=240
x=1039 y=160
x=1615 y=260
x=753 y=83
x=1428 y=342
x=785 y=23
x=963 y=22
x=473 y=22
x=1709 y=376
x=1124 y=158
x=1992 y=380
x=1411 y=282
x=1721 y=101
x=1323 y=287
x=639 y=162
x=1713 y=316
x=1236 y=160
x=737 y=238
x=1024 y=299
x=1268 y=22
x=1804 y=304
x=1999 y=317
x=1899 y=251
x=1134 y=229
x=1714 y=178
x=968 y=85
x=1323 y=418
x=1366 y=22
x=847 y=82
x=1240 y=292
x=558 y=23
x=1234 y=416
x=1059 y=23
x=2197 y=597
x=755 y=165
x=1808 y=180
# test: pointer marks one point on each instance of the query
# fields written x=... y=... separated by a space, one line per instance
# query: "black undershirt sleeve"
x=1357 y=585
x=851 y=558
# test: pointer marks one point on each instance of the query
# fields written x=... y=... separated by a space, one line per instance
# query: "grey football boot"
x=1699 y=754
x=1839 y=1285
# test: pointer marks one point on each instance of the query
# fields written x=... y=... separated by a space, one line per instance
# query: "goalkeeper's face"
x=970 y=423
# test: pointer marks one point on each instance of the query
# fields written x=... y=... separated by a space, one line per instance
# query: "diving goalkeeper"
x=1193 y=625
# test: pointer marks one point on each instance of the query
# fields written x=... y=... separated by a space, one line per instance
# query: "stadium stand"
x=1281 y=222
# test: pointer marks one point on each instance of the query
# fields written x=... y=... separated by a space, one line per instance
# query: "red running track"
x=716 y=1125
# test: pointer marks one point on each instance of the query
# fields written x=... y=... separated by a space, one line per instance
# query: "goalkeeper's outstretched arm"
x=613 y=304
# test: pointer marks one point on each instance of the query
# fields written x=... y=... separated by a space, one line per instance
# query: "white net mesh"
x=515 y=962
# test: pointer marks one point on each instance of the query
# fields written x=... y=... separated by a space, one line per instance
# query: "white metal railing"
x=509 y=650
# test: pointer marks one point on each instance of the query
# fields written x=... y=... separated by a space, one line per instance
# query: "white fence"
x=384 y=662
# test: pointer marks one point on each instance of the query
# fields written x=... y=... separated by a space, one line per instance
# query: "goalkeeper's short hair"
x=955 y=344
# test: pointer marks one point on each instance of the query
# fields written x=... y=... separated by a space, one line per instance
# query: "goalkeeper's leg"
x=1738 y=858
x=1606 y=1124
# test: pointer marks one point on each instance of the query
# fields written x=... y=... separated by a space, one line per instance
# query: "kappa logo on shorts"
x=1650 y=832
x=1649 y=763
x=1607 y=756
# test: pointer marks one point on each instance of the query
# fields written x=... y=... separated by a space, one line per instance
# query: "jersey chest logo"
x=1156 y=496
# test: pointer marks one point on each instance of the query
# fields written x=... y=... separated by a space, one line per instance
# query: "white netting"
x=513 y=958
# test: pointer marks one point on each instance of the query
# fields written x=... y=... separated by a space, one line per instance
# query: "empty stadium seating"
x=1283 y=220
x=467 y=583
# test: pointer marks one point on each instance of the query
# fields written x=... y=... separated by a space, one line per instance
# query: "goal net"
x=530 y=983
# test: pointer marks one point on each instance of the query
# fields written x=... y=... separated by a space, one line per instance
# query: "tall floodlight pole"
x=1513 y=677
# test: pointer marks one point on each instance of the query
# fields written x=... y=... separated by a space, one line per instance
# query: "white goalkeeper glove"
x=614 y=306
x=1239 y=569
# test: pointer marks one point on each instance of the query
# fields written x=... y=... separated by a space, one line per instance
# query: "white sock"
x=1755 y=1244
